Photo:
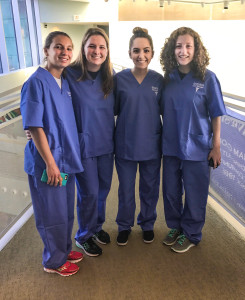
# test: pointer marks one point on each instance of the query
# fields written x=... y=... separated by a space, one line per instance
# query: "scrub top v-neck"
x=188 y=105
x=94 y=114
x=44 y=104
x=138 y=125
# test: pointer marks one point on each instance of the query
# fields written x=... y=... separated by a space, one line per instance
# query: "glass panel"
x=227 y=183
x=14 y=189
x=9 y=33
x=25 y=33
x=35 y=29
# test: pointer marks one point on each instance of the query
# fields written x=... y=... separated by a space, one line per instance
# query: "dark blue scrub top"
x=44 y=104
x=188 y=105
x=94 y=114
x=138 y=125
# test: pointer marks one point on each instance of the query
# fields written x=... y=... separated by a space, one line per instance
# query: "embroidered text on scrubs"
x=198 y=85
x=155 y=89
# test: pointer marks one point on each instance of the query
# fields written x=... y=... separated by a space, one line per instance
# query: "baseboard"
x=227 y=216
x=16 y=227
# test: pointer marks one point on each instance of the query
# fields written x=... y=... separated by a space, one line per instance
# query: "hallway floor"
x=215 y=269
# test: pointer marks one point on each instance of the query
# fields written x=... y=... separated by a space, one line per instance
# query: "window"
x=20 y=37
x=25 y=33
x=35 y=29
x=9 y=33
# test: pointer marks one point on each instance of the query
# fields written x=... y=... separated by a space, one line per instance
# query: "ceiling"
x=167 y=1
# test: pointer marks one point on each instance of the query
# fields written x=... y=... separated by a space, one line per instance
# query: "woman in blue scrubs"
x=90 y=79
x=192 y=104
x=137 y=138
x=48 y=114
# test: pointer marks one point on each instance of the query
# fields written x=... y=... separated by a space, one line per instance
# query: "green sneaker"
x=171 y=237
x=182 y=244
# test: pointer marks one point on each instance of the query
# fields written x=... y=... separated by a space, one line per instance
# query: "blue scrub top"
x=188 y=105
x=94 y=114
x=44 y=104
x=138 y=125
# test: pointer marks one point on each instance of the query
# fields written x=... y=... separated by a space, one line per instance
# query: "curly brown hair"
x=200 y=60
x=106 y=67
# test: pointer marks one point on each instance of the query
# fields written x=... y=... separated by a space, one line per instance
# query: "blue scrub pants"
x=93 y=186
x=54 y=214
x=148 y=191
x=194 y=177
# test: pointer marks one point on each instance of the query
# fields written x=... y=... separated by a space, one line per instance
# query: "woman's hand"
x=28 y=134
x=215 y=154
x=53 y=174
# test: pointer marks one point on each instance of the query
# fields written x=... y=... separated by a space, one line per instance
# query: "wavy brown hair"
x=200 y=60
x=106 y=68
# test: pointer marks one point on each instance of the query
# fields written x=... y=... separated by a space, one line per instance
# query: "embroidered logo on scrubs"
x=69 y=93
x=198 y=85
x=155 y=89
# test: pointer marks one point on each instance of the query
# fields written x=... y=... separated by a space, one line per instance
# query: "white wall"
x=14 y=79
x=17 y=78
x=76 y=33
x=223 y=40
x=62 y=11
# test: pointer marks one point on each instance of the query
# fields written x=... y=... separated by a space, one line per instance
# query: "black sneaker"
x=148 y=236
x=102 y=237
x=90 y=247
x=122 y=238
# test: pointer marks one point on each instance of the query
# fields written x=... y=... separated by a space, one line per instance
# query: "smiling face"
x=141 y=53
x=95 y=51
x=59 y=54
x=184 y=52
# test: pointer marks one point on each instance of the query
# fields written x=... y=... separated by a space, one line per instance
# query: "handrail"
x=7 y=109
x=10 y=91
x=234 y=102
x=234 y=97
x=10 y=99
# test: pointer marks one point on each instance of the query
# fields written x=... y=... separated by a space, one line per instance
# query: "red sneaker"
x=67 y=269
x=75 y=256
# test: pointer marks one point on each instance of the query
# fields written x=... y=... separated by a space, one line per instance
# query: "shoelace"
x=181 y=239
x=172 y=232
x=88 y=243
